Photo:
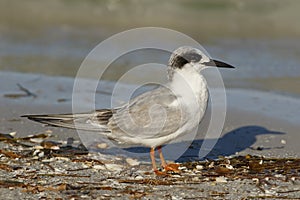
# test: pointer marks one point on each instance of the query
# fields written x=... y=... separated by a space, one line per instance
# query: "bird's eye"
x=192 y=57
x=180 y=60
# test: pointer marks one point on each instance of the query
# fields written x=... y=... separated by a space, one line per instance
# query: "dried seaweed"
x=148 y=181
x=40 y=188
x=10 y=154
x=6 y=167
x=68 y=164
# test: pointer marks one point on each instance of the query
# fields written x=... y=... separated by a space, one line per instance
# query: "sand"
x=257 y=123
x=247 y=109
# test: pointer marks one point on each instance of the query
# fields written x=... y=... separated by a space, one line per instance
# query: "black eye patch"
x=180 y=60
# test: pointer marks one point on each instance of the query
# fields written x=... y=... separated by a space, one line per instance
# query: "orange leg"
x=152 y=155
x=168 y=167
x=163 y=162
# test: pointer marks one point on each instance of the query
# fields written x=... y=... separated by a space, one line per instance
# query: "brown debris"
x=88 y=160
x=63 y=100
x=4 y=137
x=11 y=183
x=50 y=145
x=27 y=93
x=9 y=154
x=148 y=181
x=135 y=194
x=222 y=170
x=41 y=136
x=40 y=188
x=6 y=167
x=71 y=171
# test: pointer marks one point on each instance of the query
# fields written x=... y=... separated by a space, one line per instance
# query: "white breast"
x=191 y=89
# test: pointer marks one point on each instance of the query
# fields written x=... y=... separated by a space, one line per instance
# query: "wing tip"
x=33 y=117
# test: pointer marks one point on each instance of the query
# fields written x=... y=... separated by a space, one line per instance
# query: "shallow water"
x=260 y=64
x=257 y=37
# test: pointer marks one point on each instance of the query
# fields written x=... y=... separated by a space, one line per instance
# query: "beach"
x=246 y=147
x=257 y=123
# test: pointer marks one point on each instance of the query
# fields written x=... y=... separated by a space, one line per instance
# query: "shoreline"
x=72 y=172
x=245 y=109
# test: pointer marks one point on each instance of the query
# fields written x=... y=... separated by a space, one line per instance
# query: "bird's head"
x=188 y=56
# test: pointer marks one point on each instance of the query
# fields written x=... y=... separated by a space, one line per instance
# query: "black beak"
x=216 y=63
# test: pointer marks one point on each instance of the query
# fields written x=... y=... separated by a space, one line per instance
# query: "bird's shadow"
x=234 y=141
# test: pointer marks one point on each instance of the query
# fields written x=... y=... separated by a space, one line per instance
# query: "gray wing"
x=93 y=121
x=154 y=113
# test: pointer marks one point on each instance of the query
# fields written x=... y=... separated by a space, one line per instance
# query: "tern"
x=155 y=117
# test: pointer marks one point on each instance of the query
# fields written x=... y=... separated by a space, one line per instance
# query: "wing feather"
x=156 y=113
x=93 y=121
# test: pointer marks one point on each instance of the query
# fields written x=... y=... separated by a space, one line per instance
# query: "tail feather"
x=95 y=121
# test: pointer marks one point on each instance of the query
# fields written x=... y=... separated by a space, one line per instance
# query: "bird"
x=155 y=117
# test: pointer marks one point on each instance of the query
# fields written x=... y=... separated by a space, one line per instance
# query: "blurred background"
x=260 y=37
